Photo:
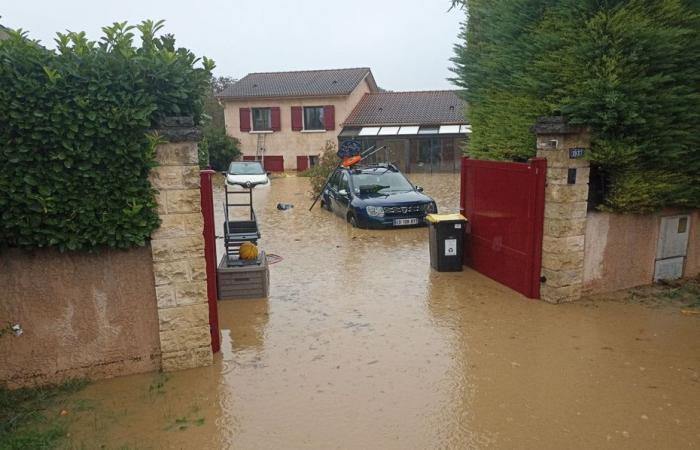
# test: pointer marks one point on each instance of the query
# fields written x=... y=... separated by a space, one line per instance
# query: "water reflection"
x=246 y=321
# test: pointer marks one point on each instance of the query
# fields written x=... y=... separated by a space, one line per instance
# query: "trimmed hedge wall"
x=629 y=69
x=75 y=152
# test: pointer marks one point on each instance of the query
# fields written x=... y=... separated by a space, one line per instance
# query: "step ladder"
x=236 y=232
x=260 y=149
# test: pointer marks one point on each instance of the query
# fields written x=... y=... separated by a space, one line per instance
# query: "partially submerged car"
x=243 y=173
x=376 y=196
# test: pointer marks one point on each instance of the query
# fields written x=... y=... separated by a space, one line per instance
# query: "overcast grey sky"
x=406 y=43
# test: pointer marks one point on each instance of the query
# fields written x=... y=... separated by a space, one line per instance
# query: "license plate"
x=400 y=222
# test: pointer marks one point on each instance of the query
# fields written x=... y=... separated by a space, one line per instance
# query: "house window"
x=313 y=118
x=262 y=119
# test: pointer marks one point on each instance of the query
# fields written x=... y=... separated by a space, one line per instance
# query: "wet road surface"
x=361 y=346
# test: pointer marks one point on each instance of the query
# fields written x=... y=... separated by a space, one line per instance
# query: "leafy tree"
x=217 y=149
x=629 y=69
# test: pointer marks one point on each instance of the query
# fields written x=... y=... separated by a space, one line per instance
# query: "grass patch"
x=29 y=419
x=158 y=384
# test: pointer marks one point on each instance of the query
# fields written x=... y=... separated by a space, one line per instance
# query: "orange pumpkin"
x=248 y=251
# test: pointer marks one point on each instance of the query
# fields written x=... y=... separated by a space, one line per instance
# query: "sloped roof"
x=408 y=108
x=305 y=83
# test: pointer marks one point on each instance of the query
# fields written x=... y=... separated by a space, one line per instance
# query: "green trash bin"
x=447 y=241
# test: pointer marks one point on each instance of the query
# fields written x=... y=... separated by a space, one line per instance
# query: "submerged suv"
x=376 y=196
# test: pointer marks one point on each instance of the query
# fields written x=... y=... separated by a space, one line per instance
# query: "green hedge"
x=629 y=69
x=75 y=152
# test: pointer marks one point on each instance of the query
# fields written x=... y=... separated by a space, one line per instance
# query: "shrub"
x=220 y=148
x=319 y=173
x=629 y=69
x=74 y=150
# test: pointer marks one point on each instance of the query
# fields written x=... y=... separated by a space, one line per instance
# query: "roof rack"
x=384 y=165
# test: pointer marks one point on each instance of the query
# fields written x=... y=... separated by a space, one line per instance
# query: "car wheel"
x=353 y=220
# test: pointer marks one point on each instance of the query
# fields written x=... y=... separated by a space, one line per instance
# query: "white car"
x=240 y=173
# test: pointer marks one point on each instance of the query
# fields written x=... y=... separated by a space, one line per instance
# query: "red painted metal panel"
x=297 y=123
x=275 y=119
x=273 y=163
x=504 y=203
x=329 y=117
x=207 y=204
x=244 y=114
x=302 y=163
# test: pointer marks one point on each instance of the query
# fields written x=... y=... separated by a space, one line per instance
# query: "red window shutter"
x=297 y=124
x=275 y=118
x=329 y=117
x=245 y=119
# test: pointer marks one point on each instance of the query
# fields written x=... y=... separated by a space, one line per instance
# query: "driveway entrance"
x=362 y=346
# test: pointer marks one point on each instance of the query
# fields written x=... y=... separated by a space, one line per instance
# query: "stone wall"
x=112 y=312
x=82 y=314
x=565 y=209
x=179 y=267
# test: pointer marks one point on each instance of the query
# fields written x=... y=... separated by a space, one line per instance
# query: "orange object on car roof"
x=351 y=161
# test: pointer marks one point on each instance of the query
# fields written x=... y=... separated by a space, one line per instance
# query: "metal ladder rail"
x=232 y=242
x=260 y=149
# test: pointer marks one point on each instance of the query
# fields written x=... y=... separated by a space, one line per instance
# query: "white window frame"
x=303 y=120
x=252 y=120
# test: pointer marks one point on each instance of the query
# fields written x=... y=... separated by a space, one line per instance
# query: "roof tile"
x=408 y=108
x=297 y=84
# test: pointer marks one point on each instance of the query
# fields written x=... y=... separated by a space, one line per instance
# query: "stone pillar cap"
x=555 y=125
x=178 y=129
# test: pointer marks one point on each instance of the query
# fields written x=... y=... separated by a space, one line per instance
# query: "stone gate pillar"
x=566 y=148
x=177 y=249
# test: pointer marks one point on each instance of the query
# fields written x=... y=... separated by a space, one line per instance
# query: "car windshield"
x=380 y=181
x=246 y=168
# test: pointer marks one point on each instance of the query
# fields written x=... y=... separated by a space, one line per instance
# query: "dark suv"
x=376 y=196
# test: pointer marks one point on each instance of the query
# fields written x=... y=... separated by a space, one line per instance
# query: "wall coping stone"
x=555 y=125
x=178 y=129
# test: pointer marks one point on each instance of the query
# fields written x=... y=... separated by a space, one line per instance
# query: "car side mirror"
x=343 y=192
x=419 y=188
x=223 y=172
x=268 y=173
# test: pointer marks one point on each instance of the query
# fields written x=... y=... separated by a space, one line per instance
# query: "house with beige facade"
x=285 y=119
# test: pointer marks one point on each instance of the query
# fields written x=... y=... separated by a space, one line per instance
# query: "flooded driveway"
x=361 y=346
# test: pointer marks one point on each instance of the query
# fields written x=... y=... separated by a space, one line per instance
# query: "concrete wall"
x=83 y=315
x=286 y=142
x=620 y=250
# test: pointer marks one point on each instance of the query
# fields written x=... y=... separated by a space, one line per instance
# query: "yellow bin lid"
x=435 y=218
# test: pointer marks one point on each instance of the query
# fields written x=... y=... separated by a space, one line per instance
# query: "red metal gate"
x=504 y=202
x=207 y=204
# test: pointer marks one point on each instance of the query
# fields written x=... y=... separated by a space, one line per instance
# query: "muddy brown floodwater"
x=361 y=346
